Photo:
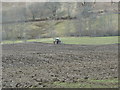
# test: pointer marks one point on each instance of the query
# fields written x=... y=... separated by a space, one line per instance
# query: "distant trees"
x=81 y=19
x=82 y=24
x=36 y=10
x=52 y=7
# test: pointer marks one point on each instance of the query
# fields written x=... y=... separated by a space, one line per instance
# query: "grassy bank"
x=87 y=84
x=75 y=40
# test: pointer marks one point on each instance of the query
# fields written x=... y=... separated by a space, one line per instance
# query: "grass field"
x=89 y=84
x=75 y=40
x=113 y=83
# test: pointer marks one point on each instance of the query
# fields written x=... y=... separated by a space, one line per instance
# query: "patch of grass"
x=10 y=42
x=91 y=40
x=76 y=40
x=44 y=40
x=106 y=81
x=84 y=40
x=64 y=28
x=89 y=84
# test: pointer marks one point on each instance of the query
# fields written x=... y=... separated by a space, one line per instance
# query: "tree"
x=53 y=7
x=35 y=9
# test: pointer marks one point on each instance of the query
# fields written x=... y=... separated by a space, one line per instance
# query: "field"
x=83 y=40
x=74 y=40
x=86 y=58
x=37 y=65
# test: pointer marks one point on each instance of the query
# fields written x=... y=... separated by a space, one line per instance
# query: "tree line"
x=82 y=19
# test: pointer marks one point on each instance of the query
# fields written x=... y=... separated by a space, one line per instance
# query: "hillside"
x=38 y=20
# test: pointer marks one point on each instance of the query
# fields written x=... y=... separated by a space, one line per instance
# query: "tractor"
x=57 y=41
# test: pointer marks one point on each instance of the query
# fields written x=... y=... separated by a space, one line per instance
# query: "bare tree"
x=53 y=7
x=35 y=9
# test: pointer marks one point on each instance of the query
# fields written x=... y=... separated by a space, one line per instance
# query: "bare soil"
x=39 y=64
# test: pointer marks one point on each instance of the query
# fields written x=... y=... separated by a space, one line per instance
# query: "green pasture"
x=74 y=40
x=89 y=84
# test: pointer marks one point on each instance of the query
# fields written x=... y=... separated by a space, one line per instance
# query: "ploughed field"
x=47 y=65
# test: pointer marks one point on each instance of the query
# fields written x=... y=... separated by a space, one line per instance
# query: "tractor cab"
x=57 y=41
